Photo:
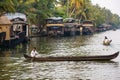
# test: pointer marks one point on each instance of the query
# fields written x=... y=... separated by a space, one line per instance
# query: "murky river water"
x=14 y=67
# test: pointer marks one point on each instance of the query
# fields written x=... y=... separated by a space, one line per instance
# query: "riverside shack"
x=14 y=28
x=87 y=27
x=55 y=26
x=71 y=27
x=5 y=26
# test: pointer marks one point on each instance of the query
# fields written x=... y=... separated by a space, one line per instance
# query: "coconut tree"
x=76 y=8
x=43 y=9
x=72 y=6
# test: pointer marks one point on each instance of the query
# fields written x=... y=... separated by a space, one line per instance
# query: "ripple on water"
x=17 y=69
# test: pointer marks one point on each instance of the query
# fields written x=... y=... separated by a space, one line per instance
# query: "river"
x=14 y=67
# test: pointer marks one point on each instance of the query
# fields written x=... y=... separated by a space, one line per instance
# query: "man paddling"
x=34 y=53
x=106 y=41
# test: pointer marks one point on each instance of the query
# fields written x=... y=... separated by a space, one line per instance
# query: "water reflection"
x=14 y=67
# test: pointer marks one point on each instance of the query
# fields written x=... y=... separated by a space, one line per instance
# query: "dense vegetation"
x=38 y=10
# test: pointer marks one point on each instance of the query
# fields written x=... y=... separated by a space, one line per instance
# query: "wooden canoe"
x=74 y=58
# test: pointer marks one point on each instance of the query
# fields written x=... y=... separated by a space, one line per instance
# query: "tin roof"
x=15 y=15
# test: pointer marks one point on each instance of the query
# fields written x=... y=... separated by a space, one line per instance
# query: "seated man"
x=106 y=41
x=34 y=52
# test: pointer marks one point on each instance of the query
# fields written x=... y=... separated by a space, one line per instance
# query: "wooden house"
x=19 y=25
x=54 y=26
x=19 y=31
x=87 y=27
x=71 y=27
x=15 y=30
x=5 y=25
x=103 y=27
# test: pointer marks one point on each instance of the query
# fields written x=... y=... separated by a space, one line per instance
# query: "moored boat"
x=74 y=58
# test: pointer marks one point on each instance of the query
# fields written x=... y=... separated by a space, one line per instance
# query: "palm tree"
x=75 y=6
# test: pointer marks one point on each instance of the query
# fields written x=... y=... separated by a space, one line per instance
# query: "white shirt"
x=33 y=53
x=106 y=40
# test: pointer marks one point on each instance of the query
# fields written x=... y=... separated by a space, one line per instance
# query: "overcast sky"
x=113 y=5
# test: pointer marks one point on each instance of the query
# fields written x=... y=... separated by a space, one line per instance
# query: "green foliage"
x=38 y=10
x=6 y=6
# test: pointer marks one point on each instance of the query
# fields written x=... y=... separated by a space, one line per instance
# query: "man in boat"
x=34 y=52
x=106 y=41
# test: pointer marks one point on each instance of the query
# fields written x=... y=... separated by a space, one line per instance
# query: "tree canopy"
x=38 y=10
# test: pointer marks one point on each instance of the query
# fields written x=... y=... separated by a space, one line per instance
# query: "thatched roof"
x=4 y=20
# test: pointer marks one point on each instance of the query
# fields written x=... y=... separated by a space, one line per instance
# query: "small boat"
x=106 y=41
x=74 y=58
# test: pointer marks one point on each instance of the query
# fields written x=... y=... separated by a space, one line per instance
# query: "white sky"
x=112 y=5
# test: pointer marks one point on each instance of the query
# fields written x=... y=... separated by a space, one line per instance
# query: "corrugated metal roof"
x=15 y=15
